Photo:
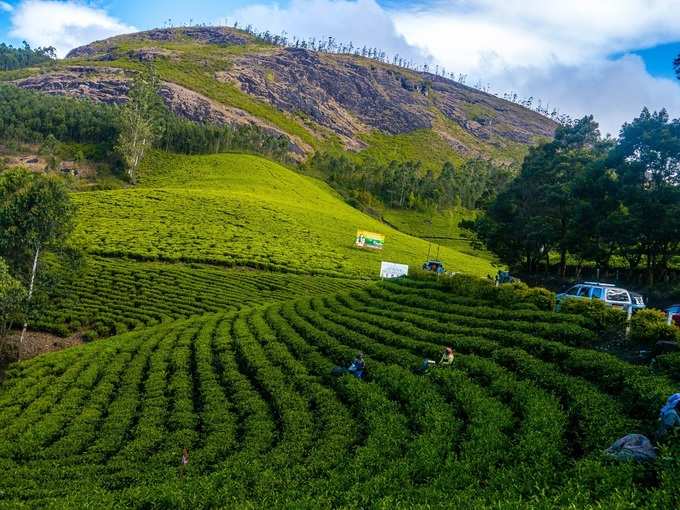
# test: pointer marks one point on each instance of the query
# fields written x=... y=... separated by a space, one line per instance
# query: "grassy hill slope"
x=239 y=210
x=439 y=227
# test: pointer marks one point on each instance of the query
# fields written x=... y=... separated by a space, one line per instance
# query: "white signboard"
x=392 y=270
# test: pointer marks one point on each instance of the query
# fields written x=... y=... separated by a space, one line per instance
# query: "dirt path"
x=37 y=343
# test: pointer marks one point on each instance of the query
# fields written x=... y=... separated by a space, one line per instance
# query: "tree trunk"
x=563 y=262
x=30 y=294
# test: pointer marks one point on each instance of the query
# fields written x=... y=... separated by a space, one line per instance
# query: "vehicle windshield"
x=584 y=291
x=573 y=291
x=617 y=295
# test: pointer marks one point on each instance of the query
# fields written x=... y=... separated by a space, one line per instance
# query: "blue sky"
x=609 y=58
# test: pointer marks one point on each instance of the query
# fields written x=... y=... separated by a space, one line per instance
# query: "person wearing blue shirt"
x=358 y=366
x=670 y=419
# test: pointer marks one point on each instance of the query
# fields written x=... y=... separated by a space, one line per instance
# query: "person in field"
x=358 y=366
x=632 y=447
x=669 y=417
x=447 y=357
x=445 y=361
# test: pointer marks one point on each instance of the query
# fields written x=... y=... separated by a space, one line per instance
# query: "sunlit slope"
x=240 y=210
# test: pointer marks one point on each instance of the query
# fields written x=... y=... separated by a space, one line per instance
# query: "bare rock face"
x=487 y=116
x=205 y=35
x=344 y=95
x=103 y=85
x=350 y=95
x=111 y=86
x=335 y=92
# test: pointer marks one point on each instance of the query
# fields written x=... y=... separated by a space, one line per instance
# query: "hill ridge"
x=325 y=100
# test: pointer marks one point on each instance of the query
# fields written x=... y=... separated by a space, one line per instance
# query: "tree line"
x=405 y=185
x=16 y=58
x=590 y=199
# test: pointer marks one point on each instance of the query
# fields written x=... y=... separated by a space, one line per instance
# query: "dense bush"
x=608 y=322
x=511 y=295
x=650 y=326
x=669 y=364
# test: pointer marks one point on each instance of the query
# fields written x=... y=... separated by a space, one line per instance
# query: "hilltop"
x=316 y=100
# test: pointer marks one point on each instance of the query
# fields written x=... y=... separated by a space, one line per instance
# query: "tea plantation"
x=519 y=421
x=112 y=296
x=240 y=210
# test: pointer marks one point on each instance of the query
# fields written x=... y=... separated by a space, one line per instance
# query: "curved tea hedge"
x=519 y=421
x=114 y=296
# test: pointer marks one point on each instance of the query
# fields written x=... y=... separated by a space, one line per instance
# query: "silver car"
x=610 y=294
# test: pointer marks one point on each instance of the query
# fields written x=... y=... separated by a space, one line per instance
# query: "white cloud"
x=4 y=6
x=558 y=51
x=613 y=90
x=533 y=33
x=64 y=25
x=363 y=22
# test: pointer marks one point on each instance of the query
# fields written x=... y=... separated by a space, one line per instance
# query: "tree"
x=538 y=212
x=140 y=124
x=36 y=215
x=12 y=297
x=647 y=160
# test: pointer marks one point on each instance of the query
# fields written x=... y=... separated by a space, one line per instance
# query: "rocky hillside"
x=318 y=100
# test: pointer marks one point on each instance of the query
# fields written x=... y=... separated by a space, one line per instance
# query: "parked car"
x=610 y=294
x=673 y=313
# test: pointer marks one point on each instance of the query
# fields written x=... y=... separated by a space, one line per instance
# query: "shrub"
x=669 y=364
x=649 y=326
x=608 y=323
x=543 y=299
x=506 y=295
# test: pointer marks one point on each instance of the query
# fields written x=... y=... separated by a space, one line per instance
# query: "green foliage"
x=16 y=58
x=594 y=199
x=139 y=122
x=609 y=322
x=249 y=393
x=669 y=364
x=12 y=296
x=33 y=117
x=36 y=214
x=649 y=326
x=405 y=185
x=514 y=295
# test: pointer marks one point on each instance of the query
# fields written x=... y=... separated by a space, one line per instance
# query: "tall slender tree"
x=140 y=121
x=36 y=215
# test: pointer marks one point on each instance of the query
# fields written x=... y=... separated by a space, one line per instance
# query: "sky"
x=609 y=58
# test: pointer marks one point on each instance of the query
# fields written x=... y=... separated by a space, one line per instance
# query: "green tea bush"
x=669 y=364
x=608 y=322
x=649 y=326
